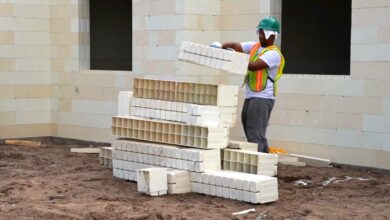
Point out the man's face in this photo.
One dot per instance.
(265, 41)
(262, 38)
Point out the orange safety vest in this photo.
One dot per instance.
(257, 80)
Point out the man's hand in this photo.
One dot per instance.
(216, 44)
(232, 46)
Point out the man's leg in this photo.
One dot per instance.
(258, 114)
(244, 115)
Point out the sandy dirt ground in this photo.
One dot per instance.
(51, 183)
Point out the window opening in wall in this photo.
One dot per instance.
(111, 34)
(316, 36)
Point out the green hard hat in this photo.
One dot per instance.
(269, 23)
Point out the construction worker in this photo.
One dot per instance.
(265, 68)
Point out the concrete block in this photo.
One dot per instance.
(250, 162)
(22, 64)
(152, 180)
(199, 187)
(126, 175)
(352, 139)
(124, 103)
(230, 7)
(316, 86)
(120, 174)
(163, 161)
(164, 22)
(225, 192)
(35, 117)
(7, 37)
(32, 38)
(235, 62)
(191, 166)
(115, 172)
(216, 137)
(233, 194)
(205, 178)
(232, 22)
(212, 190)
(172, 189)
(193, 176)
(247, 196)
(373, 52)
(178, 164)
(31, 11)
(193, 187)
(198, 7)
(199, 177)
(219, 191)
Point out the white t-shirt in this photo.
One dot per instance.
(272, 58)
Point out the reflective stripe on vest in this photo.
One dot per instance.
(257, 80)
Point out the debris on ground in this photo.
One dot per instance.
(244, 212)
(328, 181)
(23, 143)
(264, 215)
(88, 150)
(303, 183)
(347, 178)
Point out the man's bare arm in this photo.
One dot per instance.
(235, 46)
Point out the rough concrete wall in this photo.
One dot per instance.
(88, 97)
(27, 87)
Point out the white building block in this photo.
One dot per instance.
(213, 190)
(219, 191)
(255, 188)
(159, 131)
(152, 181)
(199, 115)
(250, 162)
(204, 94)
(215, 58)
(178, 182)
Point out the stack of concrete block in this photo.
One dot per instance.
(179, 182)
(129, 156)
(182, 115)
(214, 57)
(105, 156)
(195, 93)
(199, 115)
(152, 181)
(237, 186)
(170, 132)
(250, 162)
